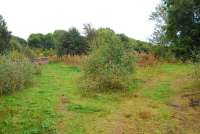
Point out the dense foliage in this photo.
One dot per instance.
(110, 64)
(16, 72)
(58, 35)
(183, 26)
(71, 43)
(41, 41)
(179, 27)
(5, 36)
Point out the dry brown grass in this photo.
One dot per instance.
(69, 59)
(145, 115)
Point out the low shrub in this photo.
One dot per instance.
(16, 72)
(109, 66)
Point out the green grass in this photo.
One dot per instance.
(32, 110)
(160, 91)
(82, 109)
(41, 110)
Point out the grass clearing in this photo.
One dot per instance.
(54, 105)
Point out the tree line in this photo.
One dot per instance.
(176, 35)
(178, 27)
(64, 42)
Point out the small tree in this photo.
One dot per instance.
(110, 65)
(5, 36)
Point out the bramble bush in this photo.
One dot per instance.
(109, 66)
(16, 72)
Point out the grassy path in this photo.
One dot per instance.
(55, 105)
(32, 110)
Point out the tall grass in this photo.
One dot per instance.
(69, 59)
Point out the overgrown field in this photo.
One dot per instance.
(54, 105)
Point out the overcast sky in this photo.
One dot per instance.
(42, 16)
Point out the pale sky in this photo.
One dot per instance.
(24, 17)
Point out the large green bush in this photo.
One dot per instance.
(16, 72)
(110, 64)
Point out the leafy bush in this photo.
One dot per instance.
(109, 65)
(16, 72)
(72, 43)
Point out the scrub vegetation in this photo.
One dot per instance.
(102, 82)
